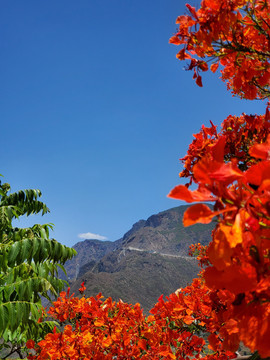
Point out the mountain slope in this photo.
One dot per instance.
(140, 277)
(150, 260)
(164, 232)
(88, 252)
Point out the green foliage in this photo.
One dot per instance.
(29, 263)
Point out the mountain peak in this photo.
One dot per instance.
(150, 259)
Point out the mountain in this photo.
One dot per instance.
(88, 252)
(151, 259)
(165, 233)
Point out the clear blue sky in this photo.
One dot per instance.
(96, 110)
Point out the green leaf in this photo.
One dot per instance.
(29, 262)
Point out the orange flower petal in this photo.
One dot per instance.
(181, 192)
(198, 213)
(235, 278)
(261, 151)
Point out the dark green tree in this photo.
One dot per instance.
(29, 264)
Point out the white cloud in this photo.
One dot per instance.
(90, 236)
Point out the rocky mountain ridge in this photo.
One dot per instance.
(151, 259)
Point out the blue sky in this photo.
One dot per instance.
(96, 110)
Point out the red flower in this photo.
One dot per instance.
(82, 288)
(30, 344)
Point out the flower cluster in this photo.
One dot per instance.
(239, 132)
(229, 302)
(239, 251)
(96, 329)
(234, 34)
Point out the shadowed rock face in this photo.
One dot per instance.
(88, 253)
(151, 259)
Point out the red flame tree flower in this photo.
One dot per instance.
(232, 167)
(232, 34)
(230, 301)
